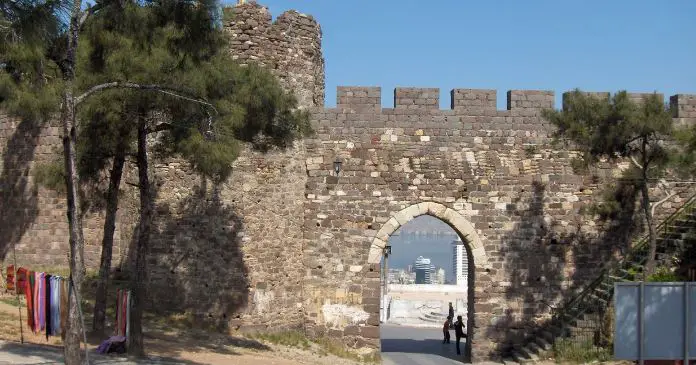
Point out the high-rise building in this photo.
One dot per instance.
(424, 270)
(440, 276)
(460, 262)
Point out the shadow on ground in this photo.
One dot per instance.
(17, 353)
(424, 347)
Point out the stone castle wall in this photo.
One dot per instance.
(284, 243)
(290, 47)
(496, 168)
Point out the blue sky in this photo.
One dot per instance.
(596, 45)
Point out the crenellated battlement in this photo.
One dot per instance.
(480, 101)
(290, 47)
(684, 105)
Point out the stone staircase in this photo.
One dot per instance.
(433, 317)
(583, 313)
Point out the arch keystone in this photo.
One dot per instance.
(450, 216)
(422, 208)
(436, 209)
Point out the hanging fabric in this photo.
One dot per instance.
(47, 304)
(46, 298)
(117, 325)
(128, 309)
(31, 302)
(37, 302)
(63, 306)
(29, 292)
(42, 301)
(22, 276)
(10, 279)
(55, 305)
(122, 312)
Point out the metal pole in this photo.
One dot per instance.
(687, 293)
(641, 324)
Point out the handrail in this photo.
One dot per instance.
(611, 266)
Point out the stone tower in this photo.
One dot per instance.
(290, 47)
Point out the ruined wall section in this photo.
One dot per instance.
(231, 253)
(497, 168)
(290, 47)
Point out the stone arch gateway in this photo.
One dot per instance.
(298, 242)
(455, 220)
(464, 229)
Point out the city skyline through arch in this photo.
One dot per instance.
(426, 241)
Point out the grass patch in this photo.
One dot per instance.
(323, 346)
(566, 350)
(329, 346)
(13, 301)
(290, 338)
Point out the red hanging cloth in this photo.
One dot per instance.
(29, 292)
(10, 278)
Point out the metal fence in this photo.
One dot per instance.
(655, 321)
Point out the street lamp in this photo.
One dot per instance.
(337, 166)
(387, 250)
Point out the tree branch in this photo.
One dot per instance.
(91, 10)
(157, 88)
(652, 211)
(633, 159)
(131, 85)
(160, 127)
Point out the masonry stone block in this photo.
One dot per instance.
(297, 246)
(683, 105)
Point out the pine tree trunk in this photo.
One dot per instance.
(135, 341)
(652, 239)
(71, 349)
(108, 239)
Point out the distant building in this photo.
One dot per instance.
(424, 270)
(401, 276)
(440, 276)
(460, 262)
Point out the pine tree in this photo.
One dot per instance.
(138, 60)
(38, 69)
(173, 78)
(618, 128)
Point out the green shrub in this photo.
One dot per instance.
(663, 274)
(567, 350)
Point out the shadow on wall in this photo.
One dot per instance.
(18, 197)
(546, 260)
(196, 261)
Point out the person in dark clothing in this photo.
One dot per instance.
(451, 314)
(459, 332)
(445, 330)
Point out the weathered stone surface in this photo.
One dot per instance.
(285, 243)
(290, 47)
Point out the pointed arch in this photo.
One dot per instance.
(458, 222)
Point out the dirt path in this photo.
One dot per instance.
(190, 348)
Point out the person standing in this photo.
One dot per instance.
(459, 332)
(445, 330)
(451, 314)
